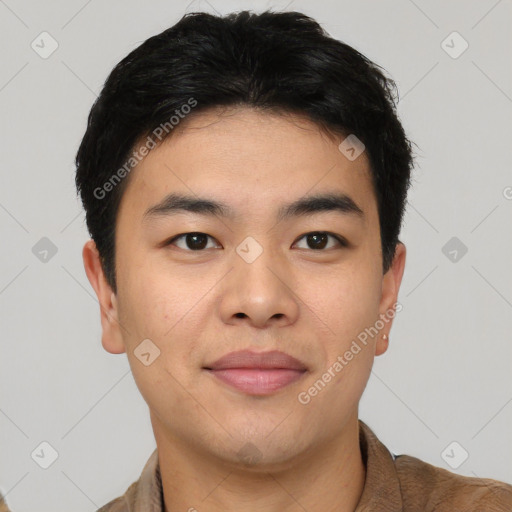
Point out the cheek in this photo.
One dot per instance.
(154, 303)
(347, 301)
(159, 309)
(164, 308)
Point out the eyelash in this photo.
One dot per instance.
(339, 239)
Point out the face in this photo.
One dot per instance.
(254, 275)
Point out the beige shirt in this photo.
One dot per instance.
(394, 483)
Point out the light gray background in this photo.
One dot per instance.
(447, 374)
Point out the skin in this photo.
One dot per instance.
(310, 303)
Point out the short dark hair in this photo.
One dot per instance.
(274, 61)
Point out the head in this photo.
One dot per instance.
(279, 150)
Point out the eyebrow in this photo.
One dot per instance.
(178, 203)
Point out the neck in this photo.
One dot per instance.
(330, 477)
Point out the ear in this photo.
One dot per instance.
(390, 287)
(111, 339)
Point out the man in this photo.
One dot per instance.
(244, 180)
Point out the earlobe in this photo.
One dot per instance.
(382, 345)
(111, 339)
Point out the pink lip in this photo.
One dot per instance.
(271, 360)
(257, 373)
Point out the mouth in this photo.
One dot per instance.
(257, 373)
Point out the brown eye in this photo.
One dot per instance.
(192, 241)
(318, 240)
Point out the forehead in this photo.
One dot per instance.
(249, 159)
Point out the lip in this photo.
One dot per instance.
(271, 360)
(257, 373)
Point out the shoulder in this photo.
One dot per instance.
(121, 504)
(430, 488)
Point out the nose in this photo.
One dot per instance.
(260, 293)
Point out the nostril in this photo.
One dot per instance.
(240, 315)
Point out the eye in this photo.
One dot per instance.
(196, 241)
(192, 241)
(319, 240)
